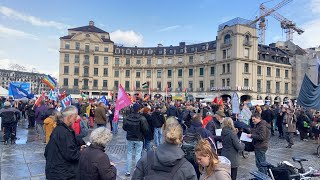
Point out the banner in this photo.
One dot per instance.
(53, 95)
(18, 92)
(23, 85)
(66, 102)
(122, 101)
(104, 100)
(235, 103)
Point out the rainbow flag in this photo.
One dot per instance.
(49, 81)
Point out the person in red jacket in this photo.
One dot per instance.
(76, 126)
(206, 119)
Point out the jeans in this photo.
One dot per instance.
(157, 136)
(40, 131)
(114, 127)
(260, 157)
(289, 137)
(133, 148)
(147, 145)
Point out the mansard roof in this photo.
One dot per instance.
(272, 54)
(89, 28)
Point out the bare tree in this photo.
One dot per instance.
(17, 67)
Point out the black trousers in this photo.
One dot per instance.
(280, 129)
(10, 132)
(234, 172)
(31, 121)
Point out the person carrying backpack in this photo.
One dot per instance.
(167, 161)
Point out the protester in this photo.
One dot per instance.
(100, 117)
(9, 122)
(41, 115)
(94, 163)
(50, 123)
(63, 151)
(31, 113)
(207, 119)
(136, 126)
(149, 136)
(157, 122)
(260, 135)
(231, 145)
(280, 117)
(211, 166)
(167, 161)
(289, 122)
(267, 115)
(172, 110)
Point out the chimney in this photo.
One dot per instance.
(91, 23)
(181, 44)
(160, 45)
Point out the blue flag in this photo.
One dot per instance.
(19, 93)
(104, 100)
(66, 102)
(53, 95)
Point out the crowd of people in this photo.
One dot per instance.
(178, 140)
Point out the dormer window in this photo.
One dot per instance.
(203, 47)
(128, 51)
(139, 51)
(117, 50)
(181, 50)
(160, 51)
(192, 49)
(103, 36)
(247, 38)
(171, 51)
(149, 51)
(227, 39)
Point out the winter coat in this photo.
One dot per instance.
(261, 135)
(157, 119)
(94, 164)
(9, 116)
(231, 146)
(212, 126)
(222, 171)
(39, 110)
(48, 125)
(50, 111)
(100, 116)
(172, 111)
(165, 156)
(83, 110)
(76, 126)
(206, 120)
(62, 153)
(149, 135)
(196, 127)
(289, 122)
(280, 118)
(136, 120)
(267, 115)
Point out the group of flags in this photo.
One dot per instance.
(218, 101)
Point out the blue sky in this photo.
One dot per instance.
(30, 30)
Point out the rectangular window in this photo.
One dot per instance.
(148, 73)
(169, 61)
(226, 54)
(159, 85)
(138, 74)
(137, 84)
(228, 82)
(105, 60)
(169, 73)
(190, 72)
(278, 72)
(127, 61)
(158, 73)
(87, 48)
(246, 82)
(116, 61)
(212, 70)
(116, 84)
(127, 85)
(76, 58)
(159, 61)
(66, 58)
(201, 84)
(127, 73)
(77, 45)
(96, 59)
(67, 46)
(96, 48)
(259, 72)
(65, 81)
(180, 84)
(106, 49)
(259, 85)
(105, 83)
(76, 70)
(116, 73)
(190, 85)
(268, 71)
(105, 72)
(149, 61)
(180, 60)
(190, 59)
(201, 71)
(286, 73)
(75, 82)
(66, 69)
(223, 82)
(95, 71)
(286, 87)
(246, 52)
(246, 67)
(179, 72)
(228, 68)
(268, 86)
(95, 83)
(138, 61)
(223, 68)
(277, 87)
(211, 83)
(86, 83)
(169, 84)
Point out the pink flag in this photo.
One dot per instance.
(122, 101)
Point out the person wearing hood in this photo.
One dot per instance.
(172, 110)
(50, 123)
(211, 166)
(167, 161)
(231, 145)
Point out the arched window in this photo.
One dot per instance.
(247, 38)
(227, 39)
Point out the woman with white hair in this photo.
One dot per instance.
(94, 163)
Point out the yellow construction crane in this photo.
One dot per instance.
(286, 24)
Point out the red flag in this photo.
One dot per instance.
(215, 100)
(220, 103)
(37, 103)
(123, 101)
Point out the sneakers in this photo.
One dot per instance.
(127, 174)
(289, 146)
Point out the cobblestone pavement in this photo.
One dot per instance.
(25, 159)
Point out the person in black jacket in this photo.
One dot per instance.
(62, 152)
(94, 164)
(9, 122)
(267, 115)
(157, 122)
(136, 126)
(149, 136)
(31, 113)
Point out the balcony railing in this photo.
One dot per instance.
(86, 62)
(85, 74)
(259, 89)
(190, 90)
(200, 89)
(226, 44)
(268, 90)
(85, 87)
(247, 43)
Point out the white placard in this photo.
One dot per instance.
(244, 137)
(218, 132)
(235, 103)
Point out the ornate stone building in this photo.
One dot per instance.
(234, 62)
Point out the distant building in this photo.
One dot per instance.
(7, 76)
(234, 62)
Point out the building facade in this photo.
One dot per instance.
(35, 80)
(234, 62)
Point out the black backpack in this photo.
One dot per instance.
(43, 115)
(190, 141)
(283, 171)
(133, 123)
(154, 173)
(187, 119)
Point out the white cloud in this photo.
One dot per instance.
(11, 13)
(5, 32)
(129, 38)
(169, 28)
